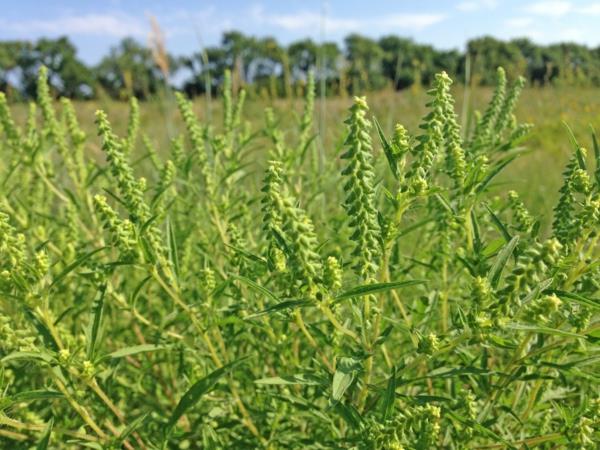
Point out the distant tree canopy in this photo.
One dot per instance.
(267, 68)
(129, 69)
(20, 62)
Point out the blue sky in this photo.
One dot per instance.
(96, 25)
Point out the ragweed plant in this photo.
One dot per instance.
(228, 295)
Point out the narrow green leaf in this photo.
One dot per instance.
(138, 289)
(28, 356)
(307, 146)
(257, 287)
(580, 158)
(502, 342)
(596, 156)
(384, 335)
(467, 265)
(541, 287)
(86, 444)
(492, 173)
(172, 246)
(444, 203)
(42, 328)
(570, 364)
(444, 372)
(134, 350)
(300, 379)
(474, 226)
(387, 149)
(198, 389)
(493, 247)
(498, 223)
(478, 427)
(350, 415)
(45, 439)
(390, 396)
(235, 169)
(422, 399)
(415, 226)
(29, 396)
(595, 143)
(93, 333)
(374, 288)
(572, 297)
(130, 428)
(280, 241)
(501, 260)
(74, 265)
(578, 152)
(249, 256)
(543, 330)
(147, 224)
(286, 304)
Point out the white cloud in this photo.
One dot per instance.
(88, 24)
(592, 9)
(571, 35)
(178, 15)
(310, 21)
(193, 23)
(552, 8)
(519, 22)
(410, 21)
(476, 5)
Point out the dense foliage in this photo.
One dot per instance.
(268, 69)
(202, 297)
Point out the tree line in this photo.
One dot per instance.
(267, 68)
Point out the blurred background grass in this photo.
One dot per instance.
(536, 174)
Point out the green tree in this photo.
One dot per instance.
(129, 70)
(303, 57)
(10, 63)
(205, 69)
(364, 57)
(488, 53)
(239, 52)
(270, 67)
(67, 75)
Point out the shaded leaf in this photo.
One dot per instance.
(286, 304)
(256, 287)
(387, 149)
(501, 260)
(41, 327)
(350, 415)
(95, 322)
(28, 396)
(301, 379)
(134, 350)
(498, 223)
(45, 439)
(374, 288)
(74, 265)
(543, 330)
(577, 298)
(31, 356)
(390, 396)
(131, 427)
(172, 246)
(198, 389)
(493, 172)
